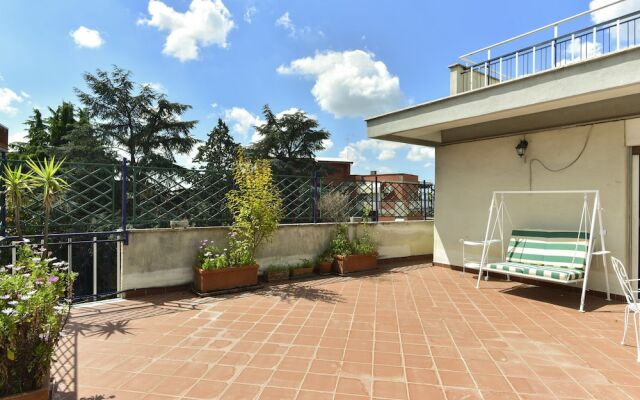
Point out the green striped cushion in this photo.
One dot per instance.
(551, 248)
(562, 275)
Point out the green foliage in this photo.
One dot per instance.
(278, 268)
(326, 256)
(236, 254)
(365, 245)
(218, 152)
(67, 133)
(61, 123)
(35, 298)
(137, 118)
(255, 203)
(45, 176)
(340, 245)
(306, 263)
(290, 141)
(16, 183)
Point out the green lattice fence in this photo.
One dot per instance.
(156, 196)
(90, 204)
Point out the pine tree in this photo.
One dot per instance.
(137, 118)
(290, 141)
(218, 152)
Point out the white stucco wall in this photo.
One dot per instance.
(165, 257)
(468, 173)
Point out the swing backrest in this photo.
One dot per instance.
(562, 249)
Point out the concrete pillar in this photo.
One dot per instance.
(455, 79)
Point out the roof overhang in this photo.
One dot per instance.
(598, 89)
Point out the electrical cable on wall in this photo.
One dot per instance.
(584, 147)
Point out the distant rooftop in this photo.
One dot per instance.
(334, 160)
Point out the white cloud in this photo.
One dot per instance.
(8, 98)
(352, 154)
(612, 12)
(249, 14)
(214, 105)
(207, 22)
(186, 160)
(421, 153)
(327, 144)
(85, 37)
(242, 121)
(157, 86)
(284, 21)
(17, 137)
(381, 150)
(350, 83)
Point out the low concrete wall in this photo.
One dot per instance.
(165, 257)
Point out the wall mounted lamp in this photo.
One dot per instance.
(521, 148)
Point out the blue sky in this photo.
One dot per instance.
(337, 60)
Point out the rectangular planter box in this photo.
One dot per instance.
(300, 272)
(225, 278)
(356, 263)
(324, 268)
(276, 276)
(39, 394)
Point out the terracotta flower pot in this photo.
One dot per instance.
(225, 278)
(300, 272)
(277, 276)
(324, 267)
(38, 394)
(356, 263)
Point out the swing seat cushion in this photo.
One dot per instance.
(559, 249)
(543, 272)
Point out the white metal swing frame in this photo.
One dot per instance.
(588, 221)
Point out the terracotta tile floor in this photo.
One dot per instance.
(407, 332)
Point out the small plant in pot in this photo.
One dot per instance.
(359, 255)
(324, 263)
(276, 273)
(255, 206)
(304, 268)
(35, 299)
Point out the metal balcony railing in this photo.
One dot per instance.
(604, 38)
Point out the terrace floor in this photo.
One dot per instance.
(406, 332)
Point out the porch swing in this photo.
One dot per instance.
(558, 256)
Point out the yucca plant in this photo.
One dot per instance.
(45, 176)
(16, 183)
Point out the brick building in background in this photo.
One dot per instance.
(397, 196)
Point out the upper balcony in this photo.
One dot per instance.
(588, 75)
(556, 52)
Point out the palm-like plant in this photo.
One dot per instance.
(16, 183)
(44, 175)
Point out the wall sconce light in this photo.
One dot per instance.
(521, 148)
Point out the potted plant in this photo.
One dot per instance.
(277, 273)
(302, 269)
(35, 298)
(324, 263)
(222, 269)
(359, 255)
(255, 205)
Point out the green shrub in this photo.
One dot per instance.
(306, 263)
(277, 268)
(236, 254)
(340, 245)
(255, 203)
(35, 298)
